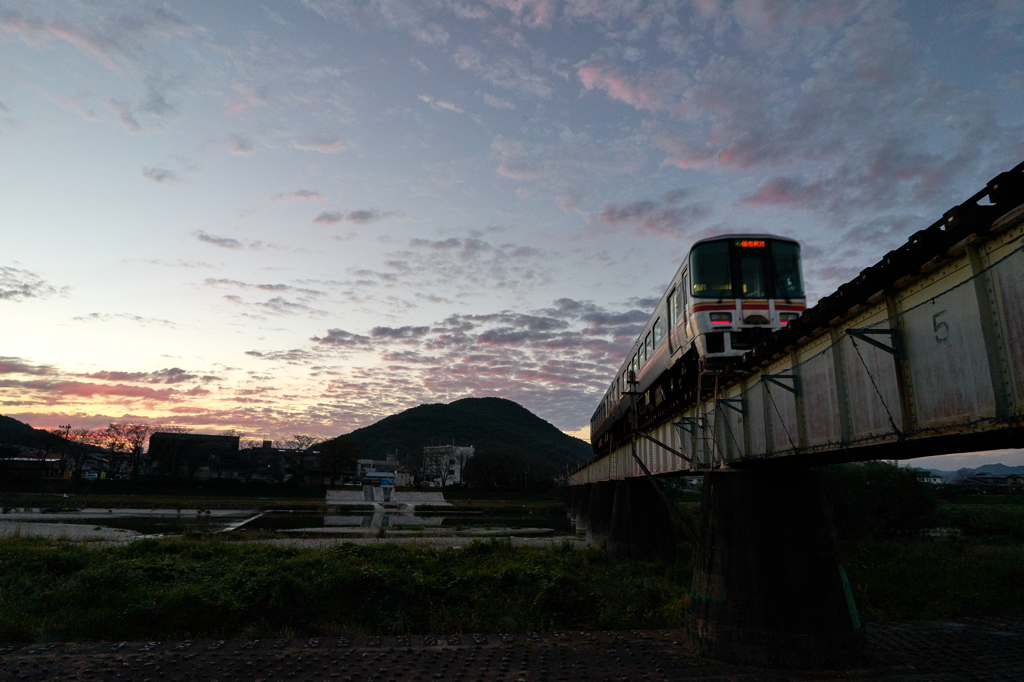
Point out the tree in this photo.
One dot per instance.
(82, 440)
(298, 441)
(249, 457)
(125, 441)
(298, 446)
(507, 467)
(339, 455)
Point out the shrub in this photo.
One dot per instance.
(878, 500)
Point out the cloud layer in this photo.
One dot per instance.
(308, 216)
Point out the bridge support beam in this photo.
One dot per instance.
(640, 523)
(599, 513)
(769, 588)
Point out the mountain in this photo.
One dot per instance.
(489, 424)
(16, 433)
(995, 469)
(998, 469)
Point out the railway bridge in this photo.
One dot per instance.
(921, 354)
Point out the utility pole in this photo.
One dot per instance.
(66, 428)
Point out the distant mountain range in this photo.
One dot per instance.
(489, 424)
(995, 469)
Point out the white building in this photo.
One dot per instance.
(387, 470)
(443, 464)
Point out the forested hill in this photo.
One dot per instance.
(489, 424)
(14, 433)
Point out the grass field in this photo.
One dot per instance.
(966, 560)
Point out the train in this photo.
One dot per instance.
(728, 294)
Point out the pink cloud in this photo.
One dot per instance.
(94, 46)
(783, 191)
(534, 13)
(55, 390)
(618, 87)
(708, 8)
(683, 153)
(319, 143)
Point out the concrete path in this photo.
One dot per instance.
(74, 532)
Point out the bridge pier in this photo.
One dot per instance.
(599, 512)
(768, 586)
(640, 524)
(579, 506)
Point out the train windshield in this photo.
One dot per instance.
(746, 268)
(712, 276)
(788, 282)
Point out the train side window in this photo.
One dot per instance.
(673, 309)
(659, 333)
(648, 347)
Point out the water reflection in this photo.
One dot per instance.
(155, 522)
(384, 519)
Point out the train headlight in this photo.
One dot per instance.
(721, 318)
(786, 318)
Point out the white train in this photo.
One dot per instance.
(730, 292)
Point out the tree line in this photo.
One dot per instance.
(123, 446)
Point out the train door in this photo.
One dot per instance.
(683, 306)
(751, 266)
(673, 320)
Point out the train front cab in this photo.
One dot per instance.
(743, 288)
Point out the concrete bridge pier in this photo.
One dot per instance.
(640, 523)
(599, 512)
(769, 588)
(580, 507)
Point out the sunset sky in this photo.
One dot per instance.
(300, 217)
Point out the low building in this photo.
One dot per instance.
(993, 483)
(390, 469)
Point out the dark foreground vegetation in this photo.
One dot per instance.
(911, 552)
(207, 588)
(915, 552)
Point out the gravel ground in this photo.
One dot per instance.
(987, 649)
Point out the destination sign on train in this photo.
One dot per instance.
(751, 243)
